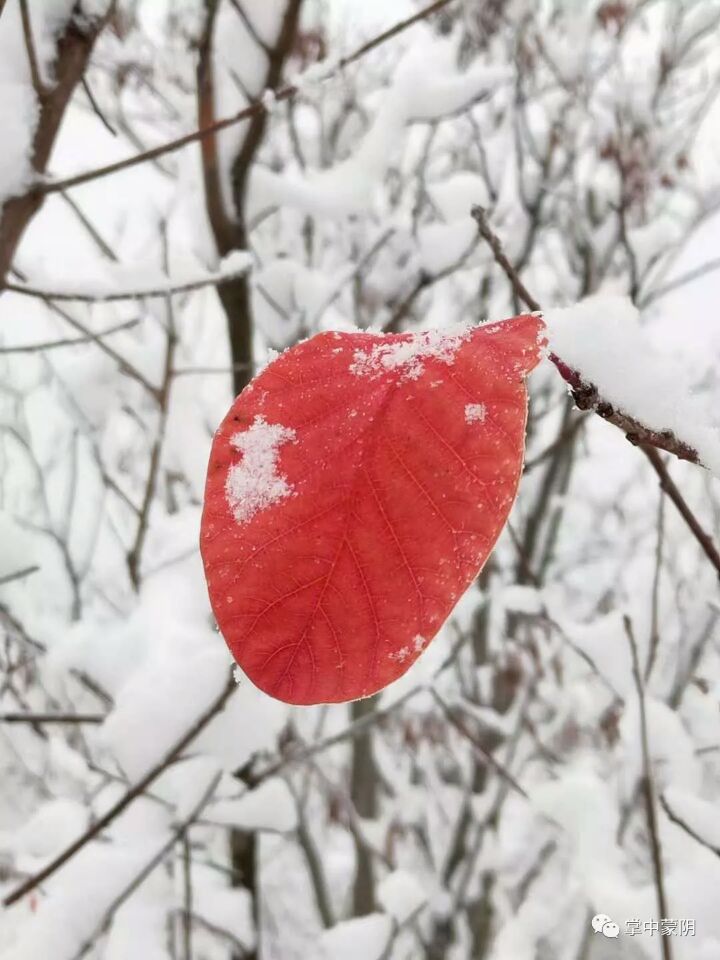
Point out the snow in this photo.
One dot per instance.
(147, 701)
(137, 280)
(521, 598)
(407, 355)
(253, 483)
(475, 412)
(18, 107)
(426, 86)
(269, 807)
(19, 547)
(400, 894)
(392, 154)
(602, 339)
(699, 814)
(51, 828)
(363, 938)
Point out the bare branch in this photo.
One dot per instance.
(149, 292)
(18, 575)
(477, 746)
(176, 835)
(671, 489)
(52, 717)
(249, 25)
(96, 107)
(284, 93)
(684, 825)
(680, 281)
(647, 786)
(37, 83)
(587, 397)
(74, 47)
(69, 341)
(127, 798)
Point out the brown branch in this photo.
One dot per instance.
(284, 93)
(127, 798)
(587, 397)
(493, 241)
(670, 488)
(73, 50)
(647, 787)
(220, 221)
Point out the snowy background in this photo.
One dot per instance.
(503, 792)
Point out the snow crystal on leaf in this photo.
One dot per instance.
(400, 655)
(419, 643)
(475, 412)
(408, 354)
(253, 483)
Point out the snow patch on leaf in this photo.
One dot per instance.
(254, 483)
(408, 355)
(475, 412)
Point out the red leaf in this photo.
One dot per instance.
(354, 491)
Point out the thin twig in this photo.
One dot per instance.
(678, 821)
(493, 241)
(680, 281)
(478, 748)
(68, 341)
(253, 779)
(187, 923)
(37, 83)
(655, 598)
(134, 555)
(671, 489)
(647, 787)
(52, 717)
(177, 834)
(587, 397)
(85, 296)
(249, 25)
(127, 798)
(18, 575)
(96, 107)
(284, 93)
